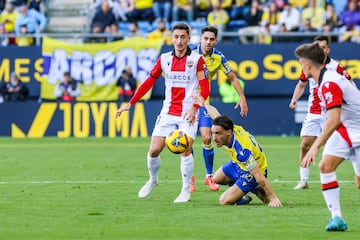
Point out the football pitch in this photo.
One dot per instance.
(54, 188)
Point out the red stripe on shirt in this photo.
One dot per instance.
(342, 130)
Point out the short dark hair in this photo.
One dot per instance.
(210, 29)
(67, 74)
(181, 26)
(224, 121)
(322, 38)
(311, 51)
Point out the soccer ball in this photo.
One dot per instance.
(177, 141)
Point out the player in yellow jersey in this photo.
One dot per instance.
(215, 61)
(247, 169)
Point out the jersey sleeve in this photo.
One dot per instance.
(245, 156)
(303, 78)
(148, 83)
(202, 74)
(332, 94)
(225, 65)
(342, 71)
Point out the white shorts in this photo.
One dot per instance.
(337, 146)
(312, 125)
(166, 123)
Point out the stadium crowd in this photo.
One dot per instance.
(256, 21)
(248, 21)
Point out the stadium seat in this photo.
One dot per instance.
(198, 25)
(235, 25)
(145, 26)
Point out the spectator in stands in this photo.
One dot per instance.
(271, 16)
(2, 5)
(350, 35)
(264, 36)
(228, 92)
(162, 9)
(104, 20)
(161, 33)
(280, 37)
(140, 10)
(37, 5)
(119, 8)
(182, 10)
(134, 30)
(4, 40)
(8, 18)
(224, 4)
(218, 17)
(17, 3)
(68, 89)
(239, 9)
(351, 16)
(314, 13)
(331, 18)
(127, 84)
(253, 19)
(22, 40)
(307, 28)
(202, 9)
(15, 89)
(34, 20)
(299, 4)
(290, 16)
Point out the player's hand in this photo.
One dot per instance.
(292, 104)
(275, 202)
(309, 157)
(243, 106)
(122, 109)
(198, 99)
(190, 116)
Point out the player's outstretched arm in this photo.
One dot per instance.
(265, 184)
(242, 102)
(122, 109)
(298, 92)
(212, 111)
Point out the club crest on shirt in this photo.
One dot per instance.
(189, 64)
(206, 71)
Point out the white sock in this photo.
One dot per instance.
(153, 165)
(304, 174)
(331, 192)
(187, 168)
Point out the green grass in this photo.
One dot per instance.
(54, 188)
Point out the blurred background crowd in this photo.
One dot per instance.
(246, 21)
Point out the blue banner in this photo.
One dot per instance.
(97, 119)
(26, 62)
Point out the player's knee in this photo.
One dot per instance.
(305, 146)
(154, 152)
(325, 168)
(223, 200)
(206, 139)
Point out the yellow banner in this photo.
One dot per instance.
(96, 66)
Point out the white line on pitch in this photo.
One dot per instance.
(122, 182)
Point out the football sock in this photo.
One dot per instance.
(208, 154)
(153, 165)
(187, 168)
(243, 200)
(304, 174)
(331, 192)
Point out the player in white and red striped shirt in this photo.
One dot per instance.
(315, 118)
(185, 73)
(341, 132)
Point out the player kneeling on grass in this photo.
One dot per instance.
(247, 170)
